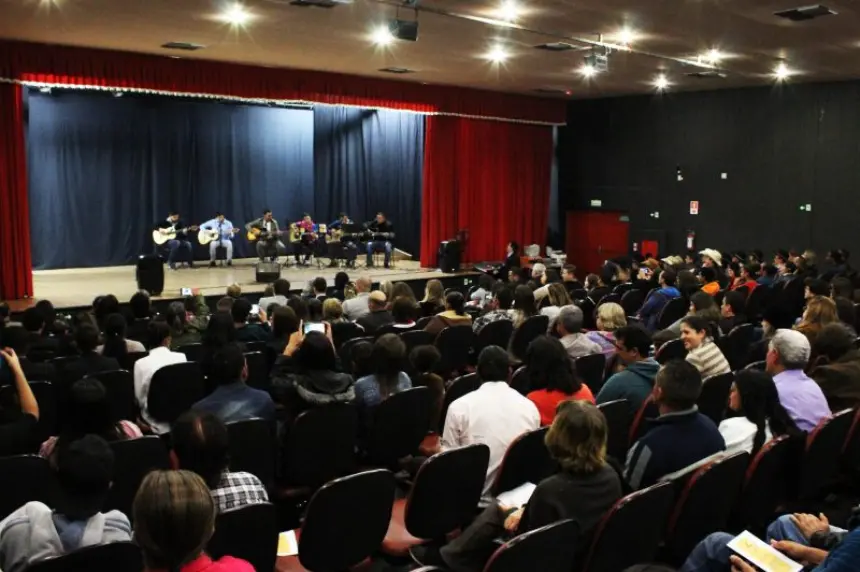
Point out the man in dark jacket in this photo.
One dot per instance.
(835, 366)
(88, 362)
(680, 436)
(17, 338)
(650, 311)
(636, 382)
(378, 317)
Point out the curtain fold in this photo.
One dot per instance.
(366, 161)
(16, 278)
(489, 178)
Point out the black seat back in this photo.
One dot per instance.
(113, 557)
(258, 370)
(25, 478)
(253, 448)
(590, 370)
(321, 445)
(458, 388)
(551, 548)
(673, 349)
(127, 362)
(531, 328)
(119, 385)
(133, 460)
(631, 301)
(622, 527)
(714, 397)
(342, 332)
(258, 346)
(399, 425)
(764, 487)
(248, 532)
(454, 344)
(193, 352)
(757, 301)
(439, 504)
(496, 333)
(173, 390)
(618, 419)
(822, 454)
(674, 310)
(527, 460)
(415, 338)
(737, 344)
(520, 380)
(345, 351)
(336, 539)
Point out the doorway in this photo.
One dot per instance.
(596, 236)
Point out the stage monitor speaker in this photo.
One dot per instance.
(449, 256)
(150, 274)
(267, 272)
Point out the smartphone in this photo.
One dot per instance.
(314, 327)
(255, 309)
(186, 291)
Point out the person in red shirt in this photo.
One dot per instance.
(551, 377)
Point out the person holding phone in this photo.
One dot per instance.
(247, 331)
(19, 433)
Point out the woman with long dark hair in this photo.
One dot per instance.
(220, 332)
(388, 358)
(454, 315)
(760, 414)
(551, 377)
(524, 305)
(116, 345)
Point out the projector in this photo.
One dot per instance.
(404, 29)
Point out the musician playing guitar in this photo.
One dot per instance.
(381, 234)
(308, 242)
(219, 232)
(175, 230)
(267, 235)
(350, 250)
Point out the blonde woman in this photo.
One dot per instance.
(820, 311)
(557, 297)
(610, 317)
(434, 298)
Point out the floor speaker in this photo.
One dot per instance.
(267, 272)
(150, 274)
(449, 256)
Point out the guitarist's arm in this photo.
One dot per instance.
(253, 224)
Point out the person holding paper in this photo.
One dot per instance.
(583, 489)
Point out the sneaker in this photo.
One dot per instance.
(211, 264)
(427, 555)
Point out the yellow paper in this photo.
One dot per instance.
(287, 543)
(763, 555)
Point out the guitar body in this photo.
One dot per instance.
(254, 234)
(159, 238)
(296, 233)
(205, 236)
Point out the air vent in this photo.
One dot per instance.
(186, 46)
(397, 70)
(805, 13)
(706, 75)
(559, 47)
(552, 91)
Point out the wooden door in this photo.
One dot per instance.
(596, 236)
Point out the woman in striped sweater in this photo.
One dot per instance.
(702, 352)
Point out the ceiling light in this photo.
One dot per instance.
(661, 82)
(497, 54)
(508, 10)
(235, 15)
(382, 36)
(587, 70)
(781, 72)
(713, 56)
(625, 36)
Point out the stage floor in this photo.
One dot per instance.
(74, 287)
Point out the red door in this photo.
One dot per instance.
(650, 247)
(594, 237)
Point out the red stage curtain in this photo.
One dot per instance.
(490, 177)
(84, 66)
(16, 272)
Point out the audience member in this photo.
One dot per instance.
(200, 443)
(359, 306)
(484, 290)
(517, 276)
(88, 362)
(403, 290)
(19, 432)
(174, 518)
(702, 352)
(495, 414)
(815, 287)
(299, 306)
(710, 285)
(551, 377)
(748, 277)
(424, 360)
(284, 324)
(759, 416)
(802, 398)
(680, 436)
(388, 359)
(835, 366)
(404, 311)
(386, 287)
(220, 332)
(104, 307)
(524, 305)
(842, 287)
(704, 306)
(319, 288)
(649, 313)
(497, 309)
(234, 291)
(333, 311)
(557, 298)
(116, 345)
(232, 399)
(767, 275)
(636, 382)
(362, 360)
(182, 331)
(225, 305)
(687, 283)
(33, 322)
(733, 311)
(89, 412)
(610, 317)
(600, 285)
(846, 312)
(141, 313)
(315, 311)
(454, 315)
(434, 298)
(36, 532)
(568, 326)
(378, 316)
(820, 311)
(341, 280)
(17, 338)
(247, 331)
(144, 368)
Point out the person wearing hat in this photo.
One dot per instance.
(36, 532)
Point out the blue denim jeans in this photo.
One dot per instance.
(378, 245)
(710, 555)
(175, 246)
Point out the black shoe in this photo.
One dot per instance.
(387, 265)
(190, 265)
(229, 263)
(211, 264)
(427, 555)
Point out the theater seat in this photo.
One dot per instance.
(590, 370)
(399, 425)
(551, 548)
(714, 397)
(764, 487)
(25, 478)
(459, 387)
(673, 349)
(639, 425)
(249, 532)
(114, 557)
(822, 455)
(527, 460)
(530, 329)
(454, 344)
(618, 420)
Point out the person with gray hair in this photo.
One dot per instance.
(801, 397)
(356, 307)
(568, 326)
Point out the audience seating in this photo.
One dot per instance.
(119, 385)
(736, 345)
(590, 370)
(715, 396)
(113, 557)
(398, 427)
(458, 388)
(639, 424)
(704, 504)
(674, 310)
(415, 338)
(757, 365)
(193, 352)
(40, 355)
(631, 531)
(527, 460)
(764, 486)
(174, 389)
(454, 344)
(530, 329)
(249, 532)
(255, 346)
(520, 380)
(127, 363)
(320, 446)
(673, 349)
(612, 297)
(618, 422)
(496, 333)
(822, 455)
(345, 523)
(258, 370)
(757, 302)
(25, 478)
(133, 460)
(342, 332)
(631, 301)
(551, 548)
(345, 351)
(851, 448)
(422, 322)
(253, 448)
(45, 395)
(438, 504)
(587, 305)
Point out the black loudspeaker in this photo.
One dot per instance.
(267, 272)
(449, 256)
(150, 274)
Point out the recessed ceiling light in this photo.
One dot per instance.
(235, 15)
(782, 72)
(508, 10)
(712, 56)
(587, 70)
(625, 36)
(382, 36)
(661, 82)
(497, 54)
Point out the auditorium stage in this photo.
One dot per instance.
(75, 287)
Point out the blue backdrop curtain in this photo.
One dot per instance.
(102, 170)
(368, 161)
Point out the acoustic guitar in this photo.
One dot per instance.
(256, 234)
(163, 235)
(205, 236)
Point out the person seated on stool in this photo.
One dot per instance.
(378, 226)
(269, 244)
(225, 237)
(350, 250)
(173, 222)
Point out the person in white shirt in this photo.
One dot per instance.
(494, 415)
(760, 415)
(355, 308)
(159, 356)
(225, 230)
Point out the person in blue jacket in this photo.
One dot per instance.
(650, 311)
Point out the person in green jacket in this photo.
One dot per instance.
(636, 381)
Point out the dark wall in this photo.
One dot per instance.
(781, 147)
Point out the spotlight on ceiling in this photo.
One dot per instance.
(497, 54)
(587, 70)
(661, 82)
(712, 56)
(625, 36)
(782, 72)
(382, 36)
(508, 11)
(235, 15)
